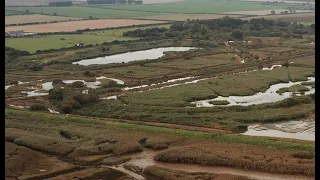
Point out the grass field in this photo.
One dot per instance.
(9, 12)
(290, 17)
(211, 6)
(183, 17)
(83, 12)
(307, 23)
(19, 19)
(56, 42)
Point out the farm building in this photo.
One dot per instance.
(16, 33)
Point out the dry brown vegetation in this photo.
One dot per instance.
(23, 162)
(80, 25)
(94, 173)
(77, 139)
(159, 173)
(19, 19)
(240, 156)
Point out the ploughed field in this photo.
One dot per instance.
(80, 25)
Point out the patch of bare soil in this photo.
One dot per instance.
(80, 25)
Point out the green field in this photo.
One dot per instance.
(307, 23)
(213, 6)
(9, 12)
(83, 12)
(57, 42)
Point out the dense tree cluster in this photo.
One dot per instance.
(226, 27)
(145, 32)
(11, 53)
(60, 3)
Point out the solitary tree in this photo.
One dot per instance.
(54, 13)
(273, 12)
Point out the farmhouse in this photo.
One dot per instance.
(16, 33)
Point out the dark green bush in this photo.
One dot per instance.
(66, 108)
(38, 107)
(86, 98)
(13, 83)
(57, 81)
(77, 84)
(89, 74)
(56, 94)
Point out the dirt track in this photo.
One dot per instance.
(80, 25)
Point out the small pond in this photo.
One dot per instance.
(131, 56)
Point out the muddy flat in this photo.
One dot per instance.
(80, 25)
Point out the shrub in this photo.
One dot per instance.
(57, 81)
(303, 155)
(36, 68)
(74, 104)
(77, 84)
(66, 108)
(86, 98)
(89, 74)
(112, 83)
(56, 94)
(13, 83)
(38, 107)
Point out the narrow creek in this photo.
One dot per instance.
(269, 96)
